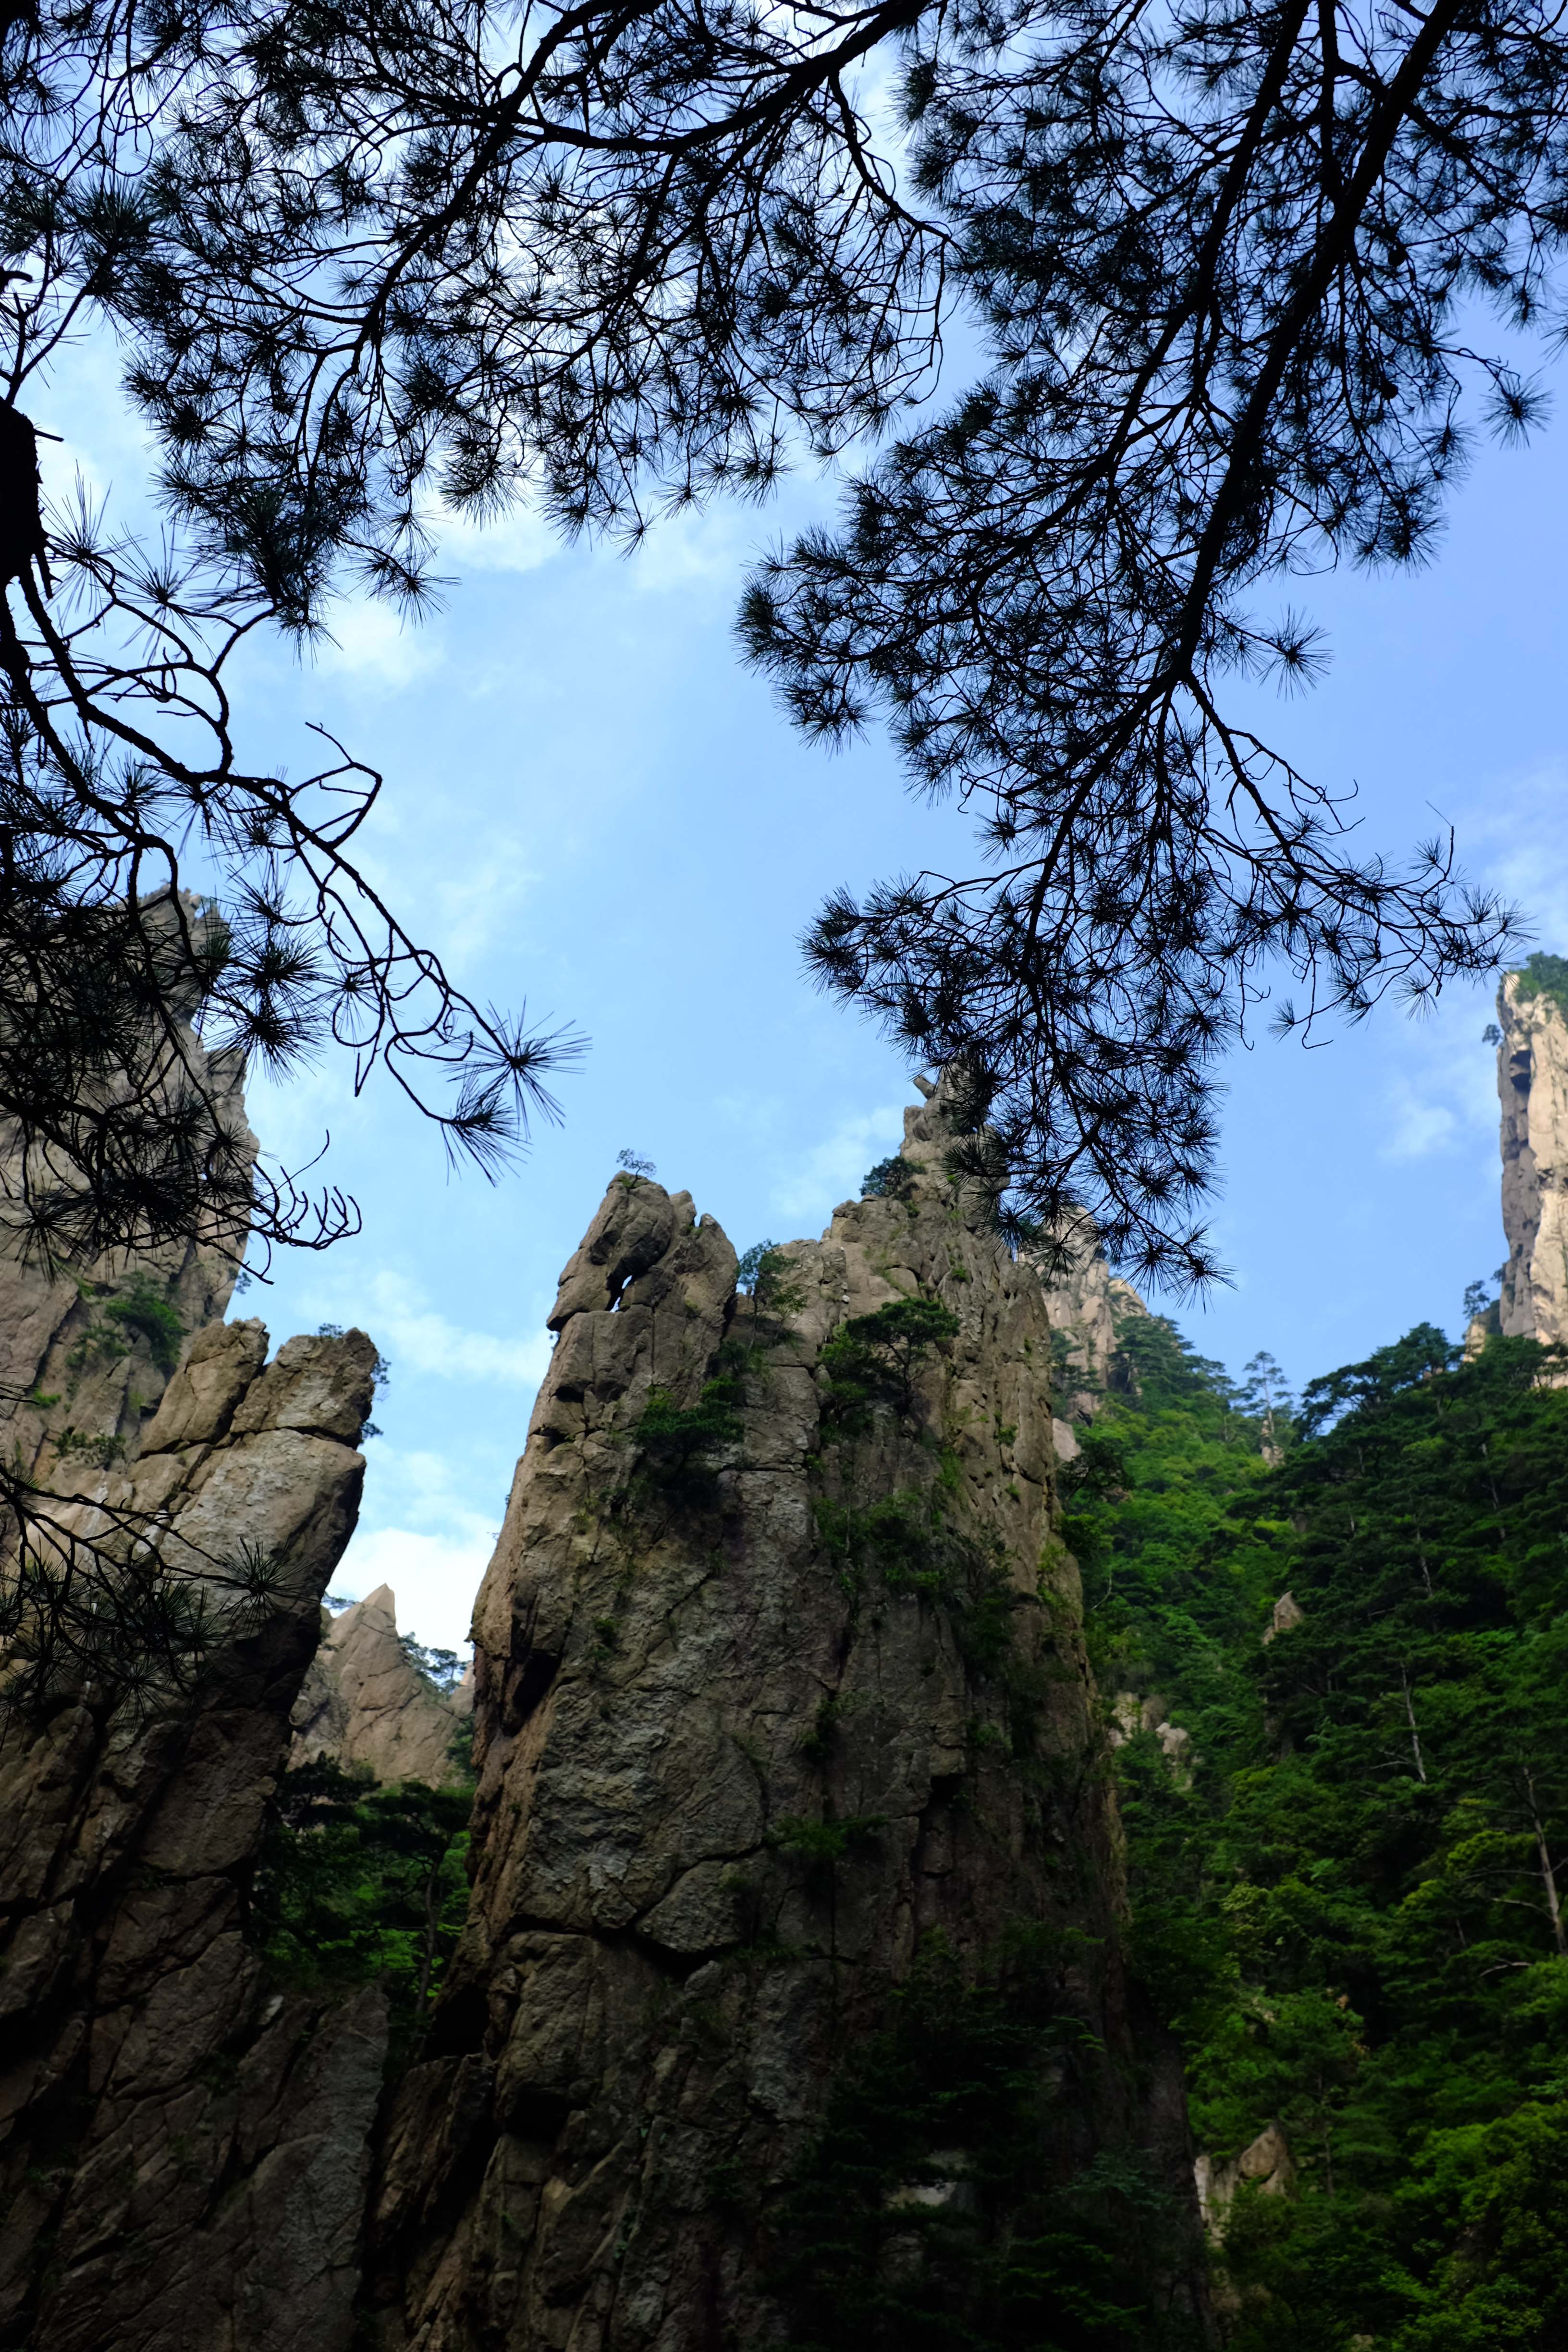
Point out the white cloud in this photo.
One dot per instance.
(1419, 1128)
(519, 540)
(1515, 825)
(811, 1188)
(423, 1536)
(1442, 1088)
(419, 1341)
(693, 544)
(373, 641)
(433, 1577)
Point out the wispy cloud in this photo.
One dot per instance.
(1513, 829)
(372, 641)
(423, 1536)
(1418, 1128)
(1441, 1084)
(420, 1341)
(434, 1578)
(811, 1187)
(519, 540)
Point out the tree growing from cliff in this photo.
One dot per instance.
(1225, 264)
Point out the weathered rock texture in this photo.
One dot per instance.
(1084, 1301)
(182, 2153)
(1533, 1085)
(85, 1357)
(735, 1770)
(365, 1707)
(1266, 2164)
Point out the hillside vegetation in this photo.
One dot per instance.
(1345, 1881)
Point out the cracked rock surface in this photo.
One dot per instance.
(1532, 1088)
(364, 1707)
(734, 1775)
(183, 2151)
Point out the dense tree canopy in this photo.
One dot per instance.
(1348, 1891)
(1227, 264)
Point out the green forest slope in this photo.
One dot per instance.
(1345, 1884)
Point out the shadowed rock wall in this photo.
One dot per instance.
(184, 2152)
(753, 1726)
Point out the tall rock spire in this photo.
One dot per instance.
(791, 1769)
(1532, 1086)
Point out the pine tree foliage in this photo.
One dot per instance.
(1228, 265)
(1349, 1901)
(360, 1882)
(1228, 260)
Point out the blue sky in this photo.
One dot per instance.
(590, 806)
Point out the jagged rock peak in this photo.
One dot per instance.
(1532, 1088)
(1084, 1303)
(183, 2149)
(780, 1689)
(366, 1707)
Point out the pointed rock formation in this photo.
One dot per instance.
(183, 2150)
(781, 1706)
(1532, 1086)
(182, 2147)
(86, 1354)
(1084, 1302)
(364, 1707)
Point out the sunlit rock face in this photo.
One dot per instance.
(780, 1688)
(1533, 1085)
(365, 1707)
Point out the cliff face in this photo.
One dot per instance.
(1083, 1302)
(1533, 1085)
(364, 1707)
(182, 2151)
(781, 1706)
(85, 1357)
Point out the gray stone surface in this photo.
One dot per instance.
(183, 2151)
(653, 1987)
(365, 1707)
(1533, 1089)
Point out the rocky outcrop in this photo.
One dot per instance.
(781, 1700)
(1283, 1618)
(182, 2147)
(365, 1707)
(1532, 1086)
(1084, 1302)
(86, 1353)
(1130, 1714)
(184, 2150)
(1266, 2164)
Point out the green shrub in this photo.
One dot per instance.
(891, 1180)
(139, 1311)
(441, 1670)
(1346, 1908)
(1034, 2254)
(764, 1272)
(360, 1884)
(1545, 975)
(143, 1308)
(675, 1441)
(872, 1358)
